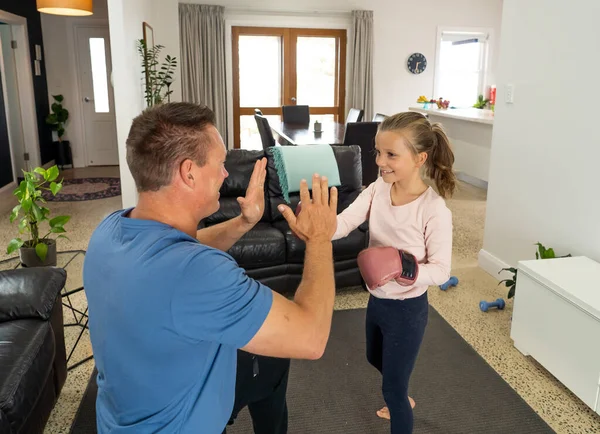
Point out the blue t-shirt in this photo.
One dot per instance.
(166, 315)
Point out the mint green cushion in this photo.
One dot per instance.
(294, 163)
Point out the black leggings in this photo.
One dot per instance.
(395, 331)
(261, 384)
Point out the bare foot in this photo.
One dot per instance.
(384, 413)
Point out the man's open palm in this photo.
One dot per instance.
(253, 204)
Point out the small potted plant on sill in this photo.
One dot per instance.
(38, 250)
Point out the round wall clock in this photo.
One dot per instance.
(416, 63)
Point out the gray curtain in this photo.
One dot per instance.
(203, 79)
(361, 70)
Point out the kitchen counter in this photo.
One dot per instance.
(468, 114)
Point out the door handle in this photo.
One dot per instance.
(87, 99)
(294, 98)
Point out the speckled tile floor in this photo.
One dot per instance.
(488, 333)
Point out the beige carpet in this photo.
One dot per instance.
(488, 333)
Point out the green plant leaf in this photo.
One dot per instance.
(15, 244)
(511, 292)
(41, 250)
(63, 236)
(37, 212)
(41, 171)
(58, 98)
(26, 204)
(55, 188)
(59, 221)
(23, 224)
(58, 230)
(52, 173)
(15, 213)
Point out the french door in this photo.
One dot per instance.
(273, 67)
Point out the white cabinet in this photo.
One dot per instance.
(556, 320)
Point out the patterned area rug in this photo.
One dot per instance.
(86, 189)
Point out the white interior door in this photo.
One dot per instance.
(95, 68)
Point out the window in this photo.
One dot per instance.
(99, 75)
(461, 66)
(275, 66)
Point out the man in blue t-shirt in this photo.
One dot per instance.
(168, 308)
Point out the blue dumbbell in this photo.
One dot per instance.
(453, 281)
(485, 305)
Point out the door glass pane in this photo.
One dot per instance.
(316, 61)
(99, 75)
(260, 71)
(250, 137)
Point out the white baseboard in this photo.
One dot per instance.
(7, 200)
(472, 180)
(492, 264)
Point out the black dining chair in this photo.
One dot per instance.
(296, 114)
(264, 129)
(258, 112)
(363, 134)
(354, 115)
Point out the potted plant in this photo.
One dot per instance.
(481, 102)
(542, 253)
(158, 76)
(57, 120)
(37, 250)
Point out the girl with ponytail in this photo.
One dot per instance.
(410, 249)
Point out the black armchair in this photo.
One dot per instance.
(33, 366)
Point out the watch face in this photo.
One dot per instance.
(416, 63)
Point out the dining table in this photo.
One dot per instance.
(332, 133)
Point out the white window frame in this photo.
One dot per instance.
(486, 54)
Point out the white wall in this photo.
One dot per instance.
(545, 149)
(126, 18)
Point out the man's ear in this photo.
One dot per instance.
(185, 172)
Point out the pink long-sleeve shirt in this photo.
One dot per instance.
(422, 227)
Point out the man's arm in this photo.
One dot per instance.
(300, 328)
(224, 235)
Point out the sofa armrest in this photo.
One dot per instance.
(30, 292)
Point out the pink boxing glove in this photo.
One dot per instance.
(379, 265)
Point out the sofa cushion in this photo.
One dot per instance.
(240, 164)
(344, 248)
(26, 357)
(262, 246)
(29, 292)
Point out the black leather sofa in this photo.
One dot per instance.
(270, 252)
(33, 366)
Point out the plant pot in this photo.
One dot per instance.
(62, 154)
(29, 257)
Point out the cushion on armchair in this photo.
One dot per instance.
(29, 292)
